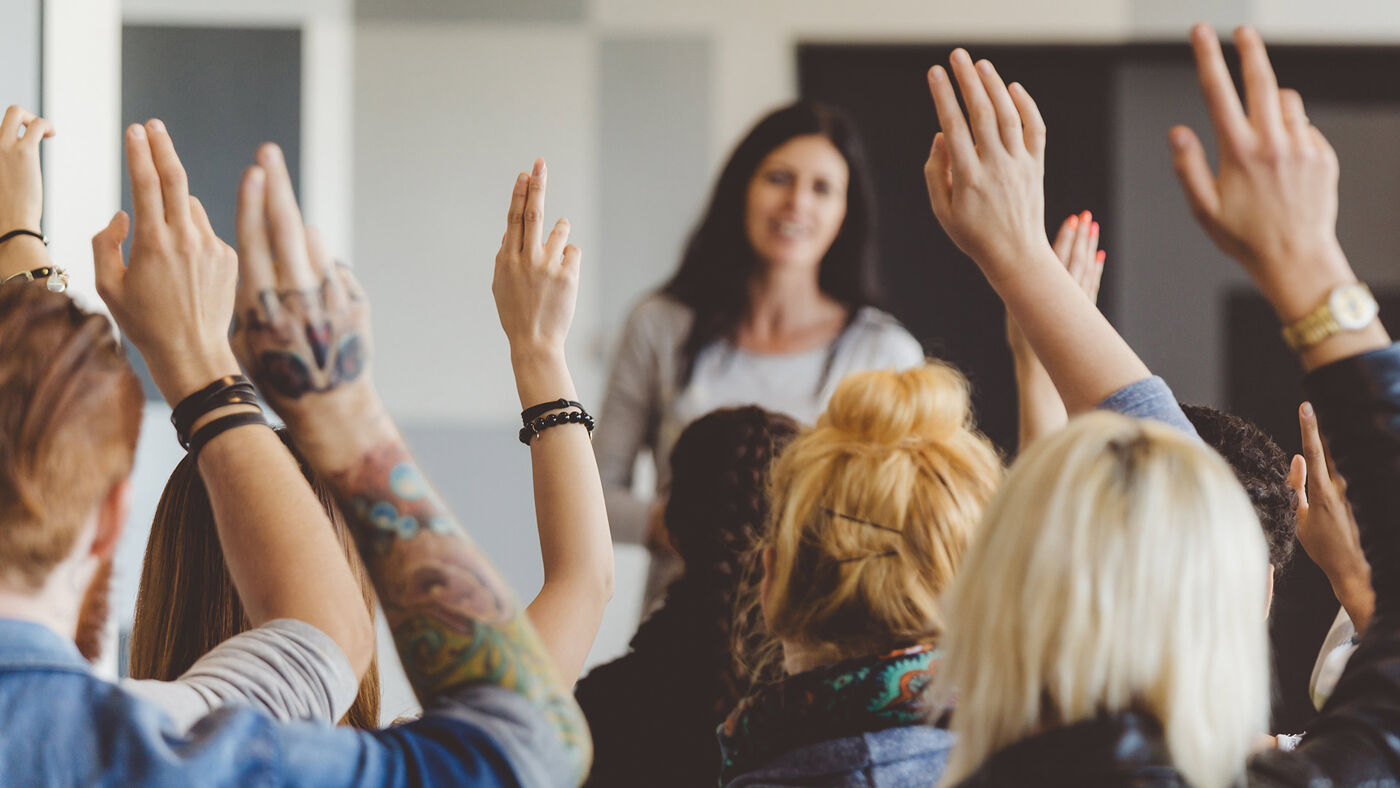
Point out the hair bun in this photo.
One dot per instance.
(883, 406)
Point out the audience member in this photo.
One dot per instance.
(773, 303)
(1152, 664)
(187, 606)
(654, 711)
(872, 512)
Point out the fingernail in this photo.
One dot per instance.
(1086, 216)
(1179, 139)
(1308, 409)
(937, 74)
(522, 178)
(157, 126)
(255, 178)
(1094, 229)
(539, 167)
(961, 54)
(1101, 256)
(138, 131)
(985, 66)
(1074, 221)
(1014, 87)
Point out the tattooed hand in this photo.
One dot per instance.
(175, 298)
(301, 325)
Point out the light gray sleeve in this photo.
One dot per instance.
(628, 420)
(1149, 398)
(285, 668)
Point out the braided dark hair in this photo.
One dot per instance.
(716, 513)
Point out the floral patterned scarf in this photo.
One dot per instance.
(848, 698)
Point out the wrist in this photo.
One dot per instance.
(179, 378)
(1305, 280)
(342, 428)
(541, 375)
(21, 253)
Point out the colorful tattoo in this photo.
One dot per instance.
(305, 341)
(455, 621)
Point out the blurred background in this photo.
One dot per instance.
(405, 122)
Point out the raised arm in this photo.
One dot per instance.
(21, 192)
(303, 333)
(985, 177)
(569, 508)
(174, 302)
(1040, 409)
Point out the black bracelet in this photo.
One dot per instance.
(535, 411)
(228, 390)
(542, 423)
(17, 233)
(221, 425)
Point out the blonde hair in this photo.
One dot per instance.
(1119, 568)
(872, 512)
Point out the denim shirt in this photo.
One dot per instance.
(65, 726)
(910, 756)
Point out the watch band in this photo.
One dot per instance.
(1321, 323)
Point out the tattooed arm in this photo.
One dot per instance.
(303, 333)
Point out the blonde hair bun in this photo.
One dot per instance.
(930, 402)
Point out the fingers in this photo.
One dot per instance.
(147, 201)
(515, 217)
(1008, 117)
(1318, 476)
(107, 255)
(200, 217)
(254, 248)
(573, 258)
(174, 184)
(290, 261)
(1064, 239)
(1192, 169)
(35, 130)
(1298, 480)
(534, 206)
(558, 237)
(938, 177)
(957, 140)
(1260, 85)
(15, 116)
(1222, 101)
(979, 105)
(1081, 257)
(1096, 279)
(1032, 124)
(1295, 117)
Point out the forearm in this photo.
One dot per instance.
(278, 542)
(455, 621)
(575, 543)
(1040, 409)
(1357, 597)
(1080, 350)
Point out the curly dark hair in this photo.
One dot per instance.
(1262, 469)
(653, 712)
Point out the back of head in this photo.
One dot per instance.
(1261, 467)
(70, 414)
(873, 510)
(186, 602)
(1119, 568)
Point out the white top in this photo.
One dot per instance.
(1332, 658)
(285, 668)
(646, 409)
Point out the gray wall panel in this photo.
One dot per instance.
(20, 54)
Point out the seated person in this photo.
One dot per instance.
(496, 710)
(649, 727)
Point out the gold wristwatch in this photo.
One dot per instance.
(1349, 307)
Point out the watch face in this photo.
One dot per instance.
(1352, 306)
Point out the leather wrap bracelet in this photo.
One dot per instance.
(227, 390)
(221, 425)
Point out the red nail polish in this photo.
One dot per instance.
(1094, 229)
(1101, 256)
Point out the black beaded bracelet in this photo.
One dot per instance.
(221, 425)
(228, 390)
(535, 411)
(542, 423)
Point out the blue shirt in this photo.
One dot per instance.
(65, 726)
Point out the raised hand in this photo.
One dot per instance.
(1326, 526)
(174, 299)
(986, 179)
(1273, 204)
(536, 287)
(302, 328)
(21, 185)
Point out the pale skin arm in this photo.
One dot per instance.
(985, 177)
(1040, 409)
(21, 190)
(1272, 205)
(575, 542)
(1326, 527)
(303, 333)
(278, 543)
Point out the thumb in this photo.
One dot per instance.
(108, 265)
(1192, 169)
(939, 177)
(1298, 480)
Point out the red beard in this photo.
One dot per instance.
(92, 617)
